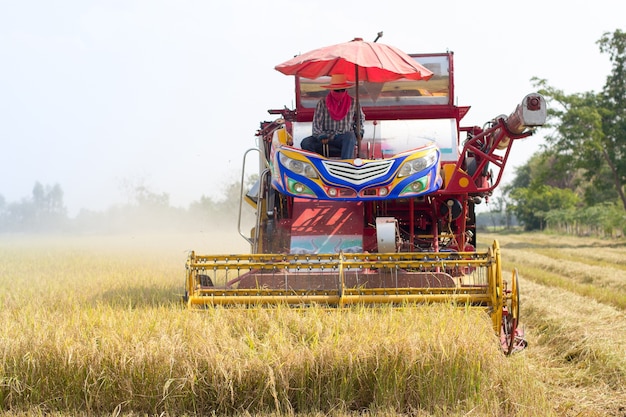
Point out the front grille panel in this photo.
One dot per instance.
(358, 174)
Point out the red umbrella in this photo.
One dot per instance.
(359, 61)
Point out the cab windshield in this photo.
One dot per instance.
(403, 92)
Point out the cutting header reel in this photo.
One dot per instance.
(471, 279)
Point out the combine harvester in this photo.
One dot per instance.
(394, 225)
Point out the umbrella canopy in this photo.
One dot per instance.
(358, 60)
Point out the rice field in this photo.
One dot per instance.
(93, 325)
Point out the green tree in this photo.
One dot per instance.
(146, 198)
(43, 211)
(3, 214)
(545, 168)
(590, 129)
(532, 205)
(614, 100)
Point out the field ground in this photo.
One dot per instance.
(573, 302)
(92, 325)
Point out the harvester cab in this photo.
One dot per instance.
(396, 224)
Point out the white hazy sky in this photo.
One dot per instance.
(96, 94)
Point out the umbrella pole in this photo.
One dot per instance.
(358, 113)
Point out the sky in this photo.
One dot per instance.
(101, 96)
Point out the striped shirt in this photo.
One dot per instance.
(323, 123)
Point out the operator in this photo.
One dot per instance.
(334, 121)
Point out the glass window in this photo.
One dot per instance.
(403, 92)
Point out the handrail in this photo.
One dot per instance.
(254, 241)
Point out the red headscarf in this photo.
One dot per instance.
(338, 104)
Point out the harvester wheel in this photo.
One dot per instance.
(510, 336)
(515, 298)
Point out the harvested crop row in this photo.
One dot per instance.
(603, 282)
(580, 345)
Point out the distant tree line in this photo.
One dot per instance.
(575, 184)
(44, 211)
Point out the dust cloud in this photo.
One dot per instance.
(141, 229)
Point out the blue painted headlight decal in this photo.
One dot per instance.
(286, 180)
